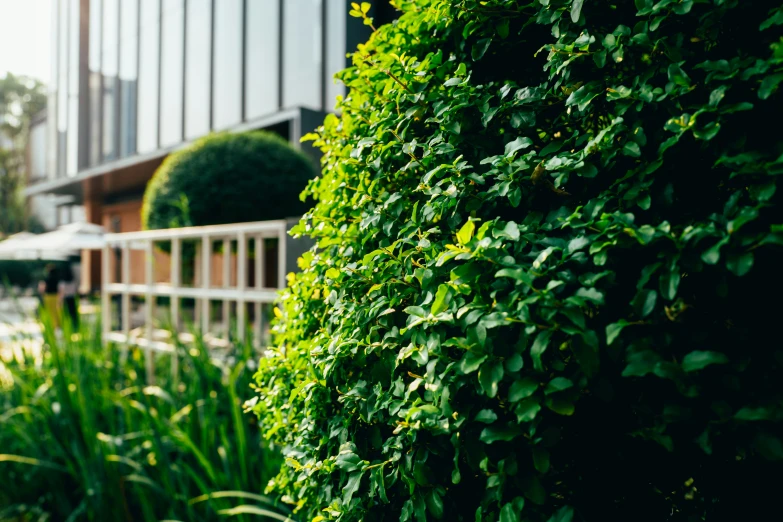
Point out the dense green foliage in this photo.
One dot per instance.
(21, 273)
(547, 271)
(83, 436)
(227, 178)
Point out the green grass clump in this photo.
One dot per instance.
(84, 436)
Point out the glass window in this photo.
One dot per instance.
(110, 69)
(62, 88)
(171, 79)
(262, 86)
(73, 89)
(227, 78)
(37, 143)
(95, 35)
(197, 67)
(148, 76)
(129, 41)
(51, 118)
(73, 135)
(335, 49)
(302, 53)
(73, 47)
(95, 82)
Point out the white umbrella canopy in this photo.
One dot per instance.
(9, 248)
(62, 242)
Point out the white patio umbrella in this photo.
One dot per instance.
(62, 242)
(9, 248)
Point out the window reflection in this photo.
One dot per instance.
(51, 119)
(171, 102)
(109, 69)
(147, 136)
(73, 89)
(129, 24)
(262, 86)
(336, 61)
(62, 87)
(227, 99)
(197, 67)
(94, 80)
(302, 53)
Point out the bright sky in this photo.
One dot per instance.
(24, 37)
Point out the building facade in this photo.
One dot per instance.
(133, 80)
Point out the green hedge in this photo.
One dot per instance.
(547, 276)
(24, 274)
(227, 178)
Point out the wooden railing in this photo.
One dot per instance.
(203, 293)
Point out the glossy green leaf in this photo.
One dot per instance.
(669, 283)
(698, 359)
(678, 76)
(521, 389)
(539, 347)
(508, 513)
(352, 486)
(564, 514)
(486, 416)
(518, 144)
(769, 85)
(644, 303)
(712, 255)
(527, 409)
(541, 459)
(558, 384)
(740, 264)
(489, 376)
(613, 330)
(434, 504)
(502, 432)
(466, 233)
(442, 299)
(576, 9)
(480, 48)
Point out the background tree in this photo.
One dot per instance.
(21, 97)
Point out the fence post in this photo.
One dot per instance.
(105, 295)
(124, 303)
(149, 310)
(257, 307)
(227, 284)
(206, 279)
(241, 284)
(176, 281)
(281, 244)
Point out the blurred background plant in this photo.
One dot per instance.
(84, 435)
(20, 98)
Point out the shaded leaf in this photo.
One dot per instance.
(696, 360)
(521, 389)
(501, 432)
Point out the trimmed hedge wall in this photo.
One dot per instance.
(548, 269)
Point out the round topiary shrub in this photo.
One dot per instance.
(548, 265)
(227, 178)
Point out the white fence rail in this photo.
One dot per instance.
(204, 294)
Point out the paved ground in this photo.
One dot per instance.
(19, 333)
(16, 319)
